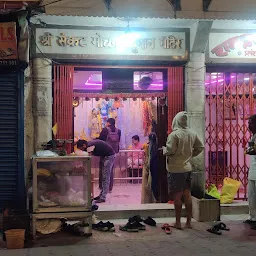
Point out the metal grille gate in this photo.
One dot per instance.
(230, 100)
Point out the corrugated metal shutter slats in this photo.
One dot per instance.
(10, 146)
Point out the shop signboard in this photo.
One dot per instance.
(226, 47)
(8, 44)
(103, 44)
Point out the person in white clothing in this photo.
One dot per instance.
(252, 174)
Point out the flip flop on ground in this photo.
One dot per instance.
(221, 226)
(214, 230)
(167, 228)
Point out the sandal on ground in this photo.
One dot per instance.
(214, 230)
(221, 226)
(251, 222)
(167, 230)
(165, 226)
(150, 221)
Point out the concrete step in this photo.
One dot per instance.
(106, 212)
(236, 208)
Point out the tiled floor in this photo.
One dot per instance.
(122, 194)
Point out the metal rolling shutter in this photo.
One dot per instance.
(11, 139)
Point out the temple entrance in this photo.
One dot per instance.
(141, 99)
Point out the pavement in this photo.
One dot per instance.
(240, 240)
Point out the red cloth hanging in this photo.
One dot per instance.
(175, 93)
(62, 102)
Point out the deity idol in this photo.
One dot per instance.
(95, 126)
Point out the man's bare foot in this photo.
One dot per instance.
(188, 225)
(177, 226)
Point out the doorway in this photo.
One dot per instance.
(114, 85)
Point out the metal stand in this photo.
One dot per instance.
(64, 215)
(72, 213)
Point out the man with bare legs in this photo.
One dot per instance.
(182, 144)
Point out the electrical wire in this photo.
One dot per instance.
(34, 41)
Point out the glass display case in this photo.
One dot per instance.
(61, 184)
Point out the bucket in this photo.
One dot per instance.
(15, 238)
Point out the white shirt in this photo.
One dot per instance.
(80, 152)
(252, 170)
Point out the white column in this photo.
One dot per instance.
(42, 74)
(28, 117)
(195, 106)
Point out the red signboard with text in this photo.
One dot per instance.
(8, 44)
(230, 46)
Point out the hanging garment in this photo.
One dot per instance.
(153, 126)
(153, 150)
(147, 196)
(147, 118)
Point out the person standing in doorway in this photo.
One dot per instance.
(112, 136)
(107, 154)
(182, 144)
(252, 173)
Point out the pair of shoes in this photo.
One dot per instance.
(167, 229)
(135, 218)
(216, 228)
(130, 227)
(221, 226)
(140, 226)
(136, 222)
(110, 226)
(101, 226)
(149, 221)
(133, 224)
(251, 222)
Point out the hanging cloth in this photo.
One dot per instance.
(147, 196)
(153, 149)
(147, 117)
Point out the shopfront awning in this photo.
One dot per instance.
(185, 9)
